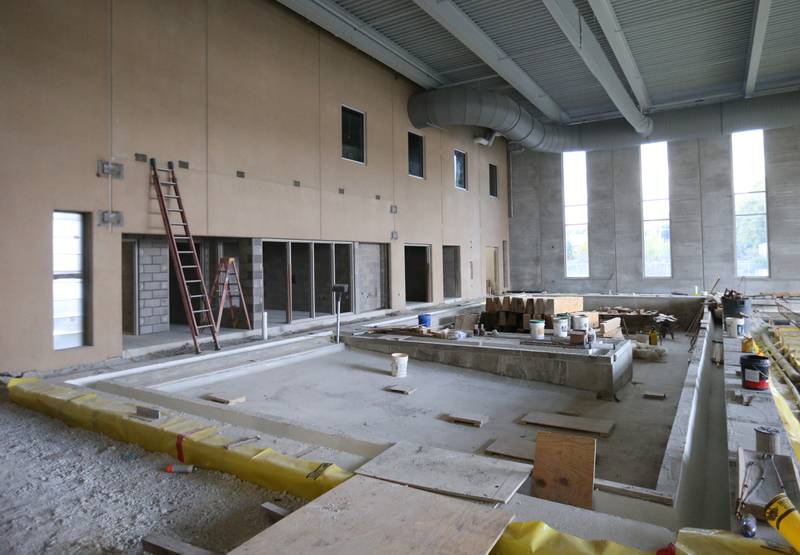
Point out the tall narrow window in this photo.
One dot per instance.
(460, 167)
(353, 135)
(655, 211)
(416, 155)
(492, 180)
(69, 291)
(576, 215)
(750, 204)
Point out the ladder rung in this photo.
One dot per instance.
(195, 296)
(170, 196)
(167, 182)
(185, 252)
(206, 326)
(164, 169)
(178, 223)
(192, 281)
(191, 266)
(180, 237)
(174, 209)
(201, 310)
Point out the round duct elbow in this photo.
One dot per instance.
(471, 107)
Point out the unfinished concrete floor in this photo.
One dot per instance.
(343, 394)
(67, 490)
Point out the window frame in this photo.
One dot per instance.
(422, 150)
(363, 114)
(765, 213)
(496, 181)
(564, 223)
(668, 220)
(85, 277)
(455, 170)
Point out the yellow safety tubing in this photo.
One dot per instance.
(200, 444)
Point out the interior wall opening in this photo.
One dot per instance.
(323, 279)
(343, 272)
(301, 280)
(372, 276)
(492, 271)
(451, 271)
(129, 285)
(417, 271)
(276, 287)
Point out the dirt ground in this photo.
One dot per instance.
(67, 490)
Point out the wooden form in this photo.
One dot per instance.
(594, 425)
(443, 471)
(225, 400)
(512, 314)
(363, 515)
(403, 390)
(159, 544)
(513, 447)
(274, 512)
(469, 418)
(564, 469)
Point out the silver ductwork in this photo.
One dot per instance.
(499, 113)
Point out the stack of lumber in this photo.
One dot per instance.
(512, 314)
(417, 331)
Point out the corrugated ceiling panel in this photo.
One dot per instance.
(686, 49)
(780, 59)
(526, 32)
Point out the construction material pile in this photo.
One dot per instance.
(514, 314)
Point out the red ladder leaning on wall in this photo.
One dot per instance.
(183, 253)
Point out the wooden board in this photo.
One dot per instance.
(592, 425)
(363, 515)
(442, 471)
(513, 447)
(472, 419)
(404, 390)
(564, 470)
(654, 395)
(274, 512)
(217, 398)
(159, 544)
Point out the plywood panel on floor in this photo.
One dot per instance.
(514, 447)
(451, 472)
(363, 515)
(591, 425)
(564, 470)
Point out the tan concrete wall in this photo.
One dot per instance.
(227, 85)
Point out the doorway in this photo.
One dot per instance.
(129, 281)
(492, 271)
(417, 270)
(276, 283)
(451, 271)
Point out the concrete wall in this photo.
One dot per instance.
(153, 280)
(371, 274)
(702, 220)
(226, 85)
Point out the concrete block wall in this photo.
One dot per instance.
(701, 211)
(251, 276)
(153, 282)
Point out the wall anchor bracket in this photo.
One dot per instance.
(114, 169)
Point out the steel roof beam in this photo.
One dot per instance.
(583, 40)
(449, 16)
(604, 12)
(341, 23)
(760, 18)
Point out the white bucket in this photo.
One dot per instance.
(399, 365)
(537, 329)
(580, 322)
(561, 327)
(734, 327)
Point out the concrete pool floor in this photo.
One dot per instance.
(342, 393)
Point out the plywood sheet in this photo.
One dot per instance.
(443, 471)
(363, 515)
(514, 447)
(591, 425)
(564, 470)
(403, 390)
(473, 419)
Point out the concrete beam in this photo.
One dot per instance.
(760, 19)
(583, 40)
(604, 12)
(449, 16)
(347, 27)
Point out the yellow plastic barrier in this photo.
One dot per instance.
(526, 538)
(186, 439)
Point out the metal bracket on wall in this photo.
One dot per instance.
(114, 169)
(395, 235)
(110, 217)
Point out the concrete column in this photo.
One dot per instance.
(153, 279)
(524, 235)
(251, 274)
